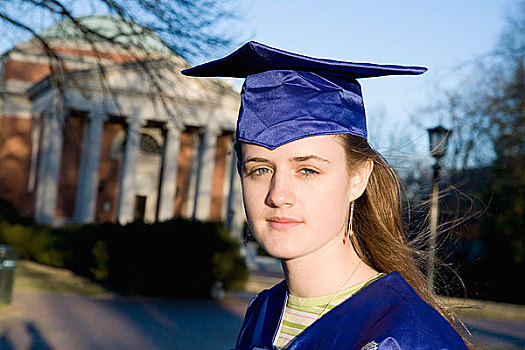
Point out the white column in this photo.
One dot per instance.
(49, 169)
(194, 174)
(169, 173)
(126, 194)
(236, 214)
(87, 183)
(229, 174)
(205, 177)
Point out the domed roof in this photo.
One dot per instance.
(126, 33)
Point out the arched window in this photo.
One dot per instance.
(149, 145)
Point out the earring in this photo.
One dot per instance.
(350, 221)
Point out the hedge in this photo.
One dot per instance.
(176, 258)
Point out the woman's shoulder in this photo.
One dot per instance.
(393, 295)
(397, 296)
(400, 313)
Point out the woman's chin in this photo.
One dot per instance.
(282, 251)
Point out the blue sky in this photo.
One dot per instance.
(441, 35)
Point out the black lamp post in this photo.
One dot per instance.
(438, 137)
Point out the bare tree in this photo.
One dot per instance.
(174, 29)
(192, 29)
(486, 102)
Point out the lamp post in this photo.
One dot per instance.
(438, 138)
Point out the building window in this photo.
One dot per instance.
(149, 145)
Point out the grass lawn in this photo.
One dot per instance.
(485, 309)
(32, 276)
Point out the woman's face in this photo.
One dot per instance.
(297, 196)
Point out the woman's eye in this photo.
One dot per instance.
(260, 171)
(308, 172)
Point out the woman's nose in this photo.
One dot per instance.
(281, 190)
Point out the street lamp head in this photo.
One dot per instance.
(438, 137)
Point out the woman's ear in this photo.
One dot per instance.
(359, 180)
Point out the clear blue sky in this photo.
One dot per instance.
(440, 35)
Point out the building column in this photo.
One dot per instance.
(205, 174)
(193, 178)
(87, 184)
(49, 168)
(168, 184)
(236, 216)
(35, 144)
(126, 193)
(229, 175)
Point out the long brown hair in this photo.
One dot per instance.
(379, 236)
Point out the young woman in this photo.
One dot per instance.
(321, 200)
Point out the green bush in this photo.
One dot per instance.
(176, 258)
(18, 237)
(51, 246)
(100, 258)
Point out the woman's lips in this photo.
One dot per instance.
(280, 223)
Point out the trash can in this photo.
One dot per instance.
(8, 259)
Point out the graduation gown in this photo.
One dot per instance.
(386, 314)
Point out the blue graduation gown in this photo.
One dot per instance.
(386, 314)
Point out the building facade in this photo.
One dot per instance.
(118, 135)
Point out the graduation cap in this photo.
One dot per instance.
(287, 96)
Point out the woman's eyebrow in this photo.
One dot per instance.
(305, 158)
(256, 160)
(294, 159)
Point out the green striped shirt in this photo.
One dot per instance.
(300, 313)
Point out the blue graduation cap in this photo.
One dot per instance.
(287, 96)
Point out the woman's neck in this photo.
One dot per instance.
(328, 270)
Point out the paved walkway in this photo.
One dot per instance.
(497, 334)
(41, 321)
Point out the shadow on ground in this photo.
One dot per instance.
(54, 321)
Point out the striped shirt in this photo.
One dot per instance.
(300, 313)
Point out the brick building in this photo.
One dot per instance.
(144, 142)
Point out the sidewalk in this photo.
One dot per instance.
(54, 321)
(39, 320)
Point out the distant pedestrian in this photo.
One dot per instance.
(319, 198)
